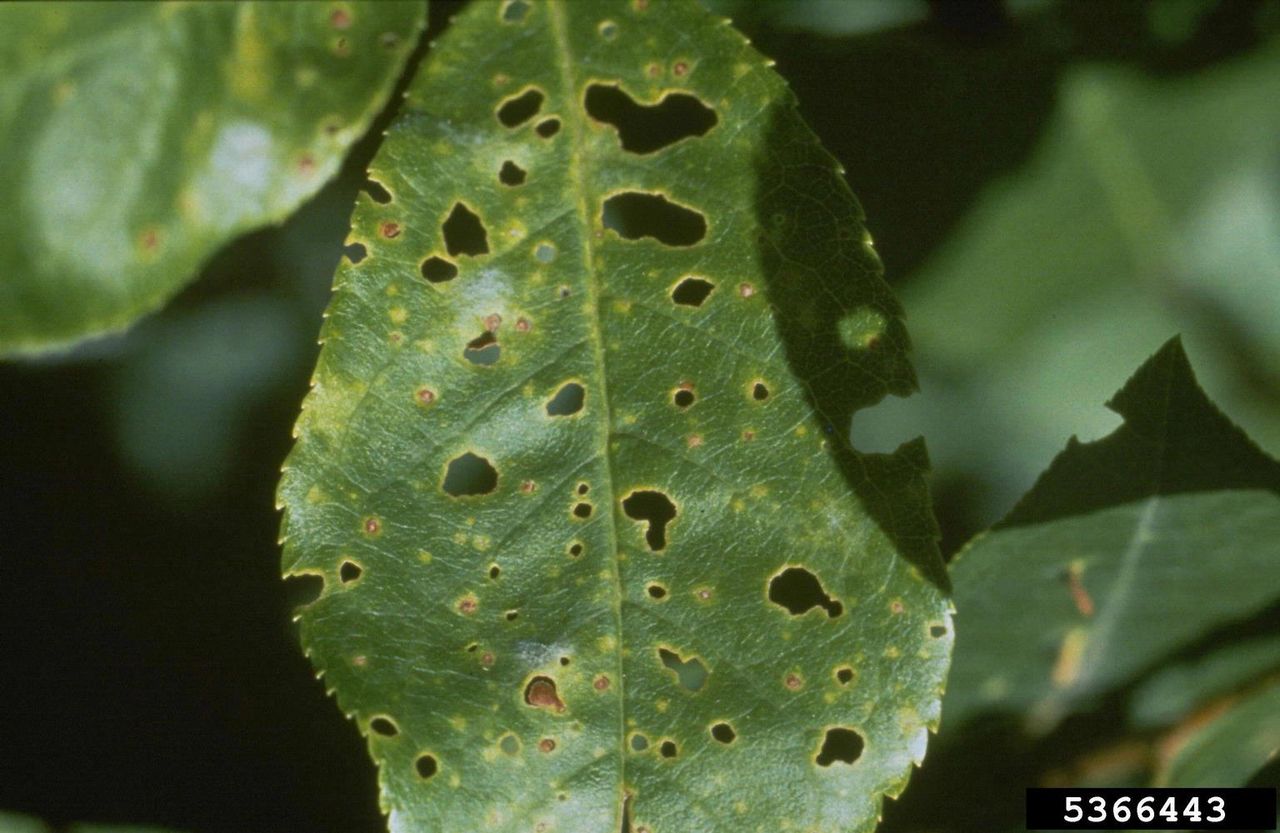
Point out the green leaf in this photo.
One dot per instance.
(1175, 690)
(1231, 747)
(1150, 207)
(591, 539)
(136, 138)
(1125, 550)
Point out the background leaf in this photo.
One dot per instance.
(1231, 747)
(573, 471)
(1173, 519)
(136, 138)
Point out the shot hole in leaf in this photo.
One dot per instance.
(355, 252)
(544, 252)
(509, 744)
(668, 749)
(427, 766)
(495, 571)
(844, 675)
(656, 591)
(541, 694)
(349, 571)
(547, 128)
(567, 401)
(583, 488)
(759, 391)
(469, 475)
(377, 191)
(515, 11)
(654, 509)
(937, 631)
(691, 292)
(690, 673)
(383, 726)
(512, 615)
(683, 398)
(464, 233)
(799, 591)
(438, 270)
(518, 109)
(724, 733)
(635, 215)
(583, 510)
(575, 549)
(302, 589)
(639, 742)
(648, 128)
(483, 350)
(512, 174)
(840, 744)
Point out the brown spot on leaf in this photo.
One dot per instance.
(547, 745)
(601, 683)
(372, 526)
(541, 694)
(389, 230)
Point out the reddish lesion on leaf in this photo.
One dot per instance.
(541, 693)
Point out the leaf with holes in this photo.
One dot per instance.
(591, 547)
(136, 138)
(1126, 550)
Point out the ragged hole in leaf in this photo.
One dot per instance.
(648, 128)
(582, 510)
(656, 591)
(302, 589)
(377, 191)
(438, 270)
(759, 391)
(799, 590)
(668, 749)
(844, 675)
(724, 733)
(634, 215)
(690, 673)
(515, 11)
(483, 349)
(468, 475)
(541, 694)
(512, 174)
(567, 401)
(840, 744)
(653, 508)
(427, 766)
(383, 726)
(349, 572)
(517, 110)
(464, 234)
(691, 292)
(547, 128)
(639, 742)
(355, 252)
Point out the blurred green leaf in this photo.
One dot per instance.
(1231, 747)
(1177, 689)
(1125, 550)
(136, 138)
(10, 823)
(591, 546)
(1152, 207)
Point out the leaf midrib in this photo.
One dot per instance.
(573, 127)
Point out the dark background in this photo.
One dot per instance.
(149, 671)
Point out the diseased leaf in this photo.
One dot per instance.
(573, 471)
(1231, 747)
(136, 138)
(1126, 549)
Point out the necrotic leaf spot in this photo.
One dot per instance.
(519, 109)
(438, 270)
(426, 766)
(464, 234)
(349, 572)
(644, 129)
(541, 694)
(634, 215)
(840, 744)
(654, 508)
(799, 590)
(567, 400)
(483, 349)
(723, 732)
(691, 292)
(512, 174)
(470, 474)
(690, 673)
